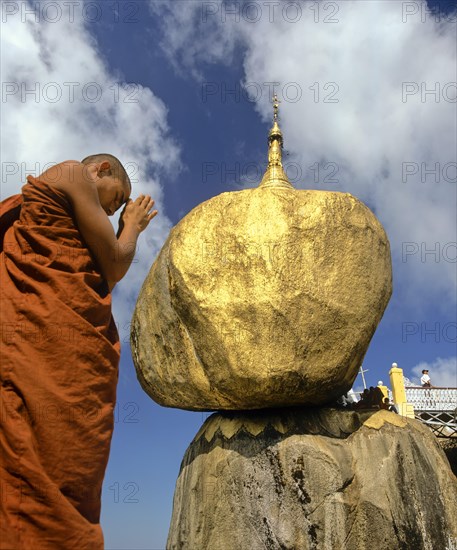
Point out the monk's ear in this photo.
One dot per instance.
(105, 166)
(104, 169)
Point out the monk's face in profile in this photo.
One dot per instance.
(113, 192)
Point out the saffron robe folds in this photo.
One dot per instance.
(60, 354)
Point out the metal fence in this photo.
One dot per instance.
(432, 399)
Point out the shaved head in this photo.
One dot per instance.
(117, 170)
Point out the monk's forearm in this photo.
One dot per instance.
(125, 250)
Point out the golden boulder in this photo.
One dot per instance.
(265, 297)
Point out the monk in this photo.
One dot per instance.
(60, 259)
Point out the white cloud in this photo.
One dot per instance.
(179, 20)
(37, 130)
(374, 133)
(442, 372)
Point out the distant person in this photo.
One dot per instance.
(377, 397)
(425, 380)
(363, 402)
(388, 406)
(366, 399)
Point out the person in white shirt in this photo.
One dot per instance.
(425, 380)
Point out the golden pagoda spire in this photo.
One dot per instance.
(274, 175)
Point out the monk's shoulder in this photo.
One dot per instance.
(66, 176)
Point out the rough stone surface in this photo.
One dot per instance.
(262, 298)
(322, 479)
(449, 446)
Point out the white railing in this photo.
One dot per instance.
(432, 399)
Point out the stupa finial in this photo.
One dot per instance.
(274, 175)
(275, 108)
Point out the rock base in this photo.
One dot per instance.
(301, 478)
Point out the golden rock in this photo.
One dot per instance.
(264, 297)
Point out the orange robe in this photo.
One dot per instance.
(59, 365)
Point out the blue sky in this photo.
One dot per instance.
(186, 139)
